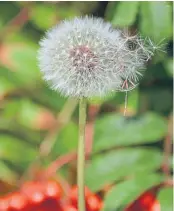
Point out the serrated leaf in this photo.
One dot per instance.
(125, 13)
(112, 166)
(126, 192)
(165, 198)
(156, 19)
(115, 130)
(16, 151)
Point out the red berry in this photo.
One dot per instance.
(52, 189)
(4, 203)
(33, 191)
(14, 202)
(17, 202)
(94, 203)
(70, 208)
(52, 192)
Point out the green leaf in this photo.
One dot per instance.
(23, 63)
(123, 132)
(165, 198)
(7, 174)
(126, 192)
(28, 113)
(169, 67)
(16, 151)
(110, 10)
(50, 98)
(9, 125)
(11, 109)
(8, 80)
(69, 12)
(101, 100)
(44, 15)
(7, 12)
(125, 13)
(156, 19)
(5, 86)
(115, 165)
(67, 140)
(47, 15)
(155, 94)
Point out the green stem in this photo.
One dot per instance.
(81, 155)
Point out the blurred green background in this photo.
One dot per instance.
(132, 153)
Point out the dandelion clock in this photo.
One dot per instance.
(86, 57)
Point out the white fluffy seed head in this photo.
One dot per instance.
(86, 57)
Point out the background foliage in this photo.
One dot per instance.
(132, 154)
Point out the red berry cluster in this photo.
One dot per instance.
(46, 196)
(33, 196)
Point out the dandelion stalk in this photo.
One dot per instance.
(81, 155)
